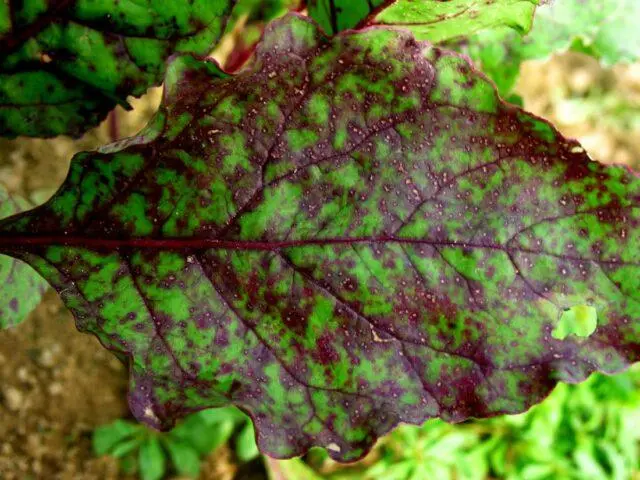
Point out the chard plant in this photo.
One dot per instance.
(351, 231)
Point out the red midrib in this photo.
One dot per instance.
(22, 242)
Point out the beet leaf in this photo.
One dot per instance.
(604, 29)
(437, 21)
(337, 15)
(65, 64)
(353, 232)
(432, 20)
(22, 287)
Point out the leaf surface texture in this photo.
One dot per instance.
(65, 64)
(352, 233)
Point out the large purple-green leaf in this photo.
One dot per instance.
(351, 233)
(64, 64)
(22, 287)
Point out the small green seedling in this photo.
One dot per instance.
(152, 455)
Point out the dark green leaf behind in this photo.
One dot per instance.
(337, 15)
(65, 64)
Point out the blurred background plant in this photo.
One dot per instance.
(152, 455)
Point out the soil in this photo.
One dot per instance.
(600, 107)
(57, 385)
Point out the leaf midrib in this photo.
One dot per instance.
(20, 243)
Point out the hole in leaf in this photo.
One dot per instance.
(580, 320)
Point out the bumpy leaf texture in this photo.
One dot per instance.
(433, 20)
(350, 233)
(22, 287)
(65, 64)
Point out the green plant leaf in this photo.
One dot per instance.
(204, 438)
(106, 437)
(128, 464)
(127, 447)
(151, 460)
(246, 447)
(184, 457)
(22, 286)
(498, 53)
(432, 20)
(213, 416)
(438, 21)
(262, 10)
(207, 430)
(294, 469)
(335, 16)
(604, 29)
(65, 64)
(581, 320)
(353, 232)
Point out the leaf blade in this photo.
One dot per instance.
(106, 437)
(603, 30)
(335, 16)
(382, 240)
(431, 20)
(439, 21)
(65, 66)
(152, 460)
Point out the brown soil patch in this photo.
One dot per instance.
(57, 386)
